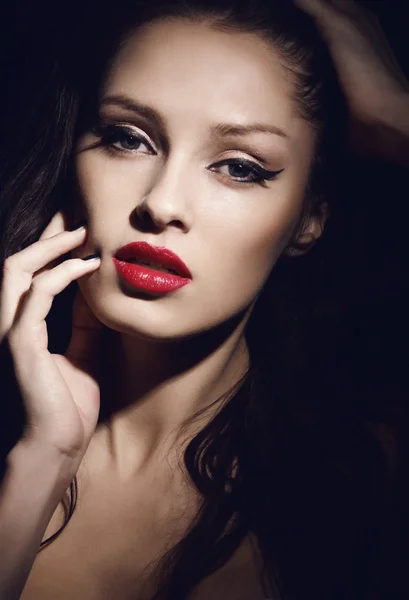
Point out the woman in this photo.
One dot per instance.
(205, 149)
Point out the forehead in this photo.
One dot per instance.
(194, 69)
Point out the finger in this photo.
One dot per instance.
(19, 271)
(85, 337)
(324, 15)
(348, 6)
(338, 19)
(30, 326)
(315, 8)
(326, 12)
(39, 254)
(56, 225)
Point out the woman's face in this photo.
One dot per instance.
(192, 119)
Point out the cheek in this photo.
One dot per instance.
(107, 189)
(100, 181)
(233, 231)
(252, 240)
(99, 193)
(236, 265)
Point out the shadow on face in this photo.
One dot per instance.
(197, 147)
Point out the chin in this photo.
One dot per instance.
(147, 323)
(146, 317)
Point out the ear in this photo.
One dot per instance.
(311, 232)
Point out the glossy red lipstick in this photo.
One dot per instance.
(151, 268)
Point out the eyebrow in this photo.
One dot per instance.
(219, 130)
(227, 129)
(136, 107)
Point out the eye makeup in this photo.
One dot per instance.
(246, 171)
(129, 140)
(122, 139)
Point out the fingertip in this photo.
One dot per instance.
(315, 8)
(56, 225)
(304, 4)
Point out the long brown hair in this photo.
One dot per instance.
(305, 468)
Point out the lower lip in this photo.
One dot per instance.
(149, 280)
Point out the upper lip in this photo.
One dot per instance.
(160, 255)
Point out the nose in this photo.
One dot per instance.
(165, 204)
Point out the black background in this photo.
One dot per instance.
(369, 273)
(370, 269)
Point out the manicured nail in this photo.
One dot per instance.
(91, 257)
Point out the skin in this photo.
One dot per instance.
(142, 498)
(177, 352)
(375, 87)
(165, 357)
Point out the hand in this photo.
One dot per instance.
(374, 85)
(60, 393)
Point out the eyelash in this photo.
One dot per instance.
(112, 134)
(258, 173)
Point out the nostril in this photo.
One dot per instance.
(177, 223)
(144, 219)
(155, 219)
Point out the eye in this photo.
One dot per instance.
(244, 171)
(119, 138)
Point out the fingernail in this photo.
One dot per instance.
(91, 257)
(79, 225)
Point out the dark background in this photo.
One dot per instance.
(30, 29)
(368, 275)
(367, 281)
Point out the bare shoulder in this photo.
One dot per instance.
(117, 532)
(238, 579)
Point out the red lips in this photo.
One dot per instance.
(158, 256)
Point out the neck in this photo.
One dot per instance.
(150, 389)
